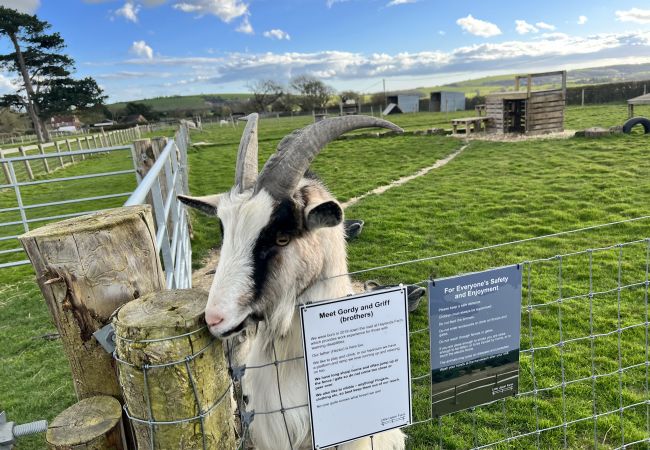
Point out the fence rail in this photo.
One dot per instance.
(166, 179)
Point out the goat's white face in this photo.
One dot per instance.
(270, 254)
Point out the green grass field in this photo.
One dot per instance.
(493, 192)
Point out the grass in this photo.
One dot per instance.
(493, 192)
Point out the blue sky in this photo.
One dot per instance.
(144, 48)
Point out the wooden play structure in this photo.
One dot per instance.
(528, 111)
(640, 100)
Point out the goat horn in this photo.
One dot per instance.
(246, 171)
(284, 169)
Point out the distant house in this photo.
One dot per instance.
(134, 118)
(57, 122)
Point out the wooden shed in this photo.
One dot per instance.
(527, 110)
(640, 100)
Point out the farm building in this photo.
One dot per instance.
(445, 101)
(70, 121)
(407, 102)
(527, 111)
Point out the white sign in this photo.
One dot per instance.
(358, 368)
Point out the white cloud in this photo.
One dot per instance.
(478, 27)
(23, 6)
(226, 10)
(245, 26)
(545, 52)
(141, 49)
(634, 15)
(277, 34)
(582, 20)
(524, 27)
(545, 26)
(442, 32)
(129, 11)
(331, 3)
(7, 86)
(400, 2)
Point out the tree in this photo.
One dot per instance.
(133, 108)
(313, 93)
(45, 86)
(265, 93)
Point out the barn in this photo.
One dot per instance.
(446, 101)
(406, 102)
(528, 110)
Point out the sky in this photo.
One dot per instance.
(147, 48)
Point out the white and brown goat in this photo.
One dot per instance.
(283, 238)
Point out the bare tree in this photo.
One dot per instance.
(313, 93)
(265, 93)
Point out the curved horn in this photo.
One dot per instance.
(284, 169)
(246, 171)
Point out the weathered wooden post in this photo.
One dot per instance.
(28, 167)
(46, 166)
(173, 373)
(94, 423)
(86, 268)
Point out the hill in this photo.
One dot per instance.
(201, 102)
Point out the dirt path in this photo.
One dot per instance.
(406, 179)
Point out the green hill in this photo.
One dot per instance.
(202, 102)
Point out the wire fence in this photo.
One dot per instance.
(584, 363)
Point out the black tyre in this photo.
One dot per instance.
(634, 121)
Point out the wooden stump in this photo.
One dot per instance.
(94, 423)
(86, 268)
(193, 378)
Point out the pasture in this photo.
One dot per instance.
(493, 192)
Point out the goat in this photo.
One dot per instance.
(283, 237)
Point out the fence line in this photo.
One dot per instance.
(627, 374)
(93, 141)
(166, 179)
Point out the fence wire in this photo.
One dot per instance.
(584, 363)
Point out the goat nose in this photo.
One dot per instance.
(212, 318)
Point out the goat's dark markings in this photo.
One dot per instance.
(286, 219)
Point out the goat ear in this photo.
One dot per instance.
(326, 214)
(206, 204)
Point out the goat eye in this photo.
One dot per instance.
(282, 239)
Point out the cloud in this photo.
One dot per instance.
(226, 10)
(245, 26)
(400, 2)
(545, 26)
(7, 86)
(547, 51)
(141, 49)
(524, 27)
(331, 3)
(23, 6)
(582, 20)
(478, 27)
(277, 34)
(635, 15)
(129, 11)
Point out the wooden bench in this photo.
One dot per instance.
(471, 124)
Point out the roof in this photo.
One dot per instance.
(640, 100)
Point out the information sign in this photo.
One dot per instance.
(475, 321)
(358, 368)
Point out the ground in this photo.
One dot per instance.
(491, 192)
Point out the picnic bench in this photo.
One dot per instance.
(471, 124)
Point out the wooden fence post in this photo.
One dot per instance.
(58, 150)
(5, 167)
(184, 377)
(86, 267)
(28, 167)
(46, 166)
(94, 423)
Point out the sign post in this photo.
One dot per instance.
(475, 321)
(358, 368)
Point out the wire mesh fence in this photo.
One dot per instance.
(584, 364)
